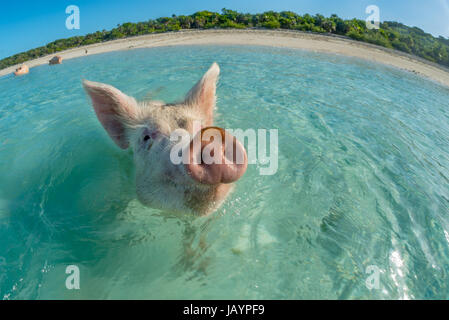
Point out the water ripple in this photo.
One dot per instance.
(363, 181)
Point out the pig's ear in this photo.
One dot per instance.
(114, 109)
(202, 95)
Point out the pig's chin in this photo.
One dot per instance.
(187, 200)
(183, 195)
(164, 201)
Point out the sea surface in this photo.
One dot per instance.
(358, 208)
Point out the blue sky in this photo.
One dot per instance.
(28, 24)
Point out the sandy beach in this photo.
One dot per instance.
(275, 38)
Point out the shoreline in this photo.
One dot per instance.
(275, 38)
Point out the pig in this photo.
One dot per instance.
(190, 187)
(23, 69)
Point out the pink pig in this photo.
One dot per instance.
(189, 187)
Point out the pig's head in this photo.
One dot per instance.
(192, 186)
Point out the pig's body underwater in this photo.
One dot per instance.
(192, 186)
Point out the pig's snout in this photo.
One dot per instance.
(216, 157)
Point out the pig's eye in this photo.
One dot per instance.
(146, 138)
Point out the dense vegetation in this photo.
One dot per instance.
(391, 34)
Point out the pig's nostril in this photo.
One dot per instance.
(146, 138)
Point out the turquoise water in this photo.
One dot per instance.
(363, 181)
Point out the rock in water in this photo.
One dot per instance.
(55, 60)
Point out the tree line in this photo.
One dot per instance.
(392, 35)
